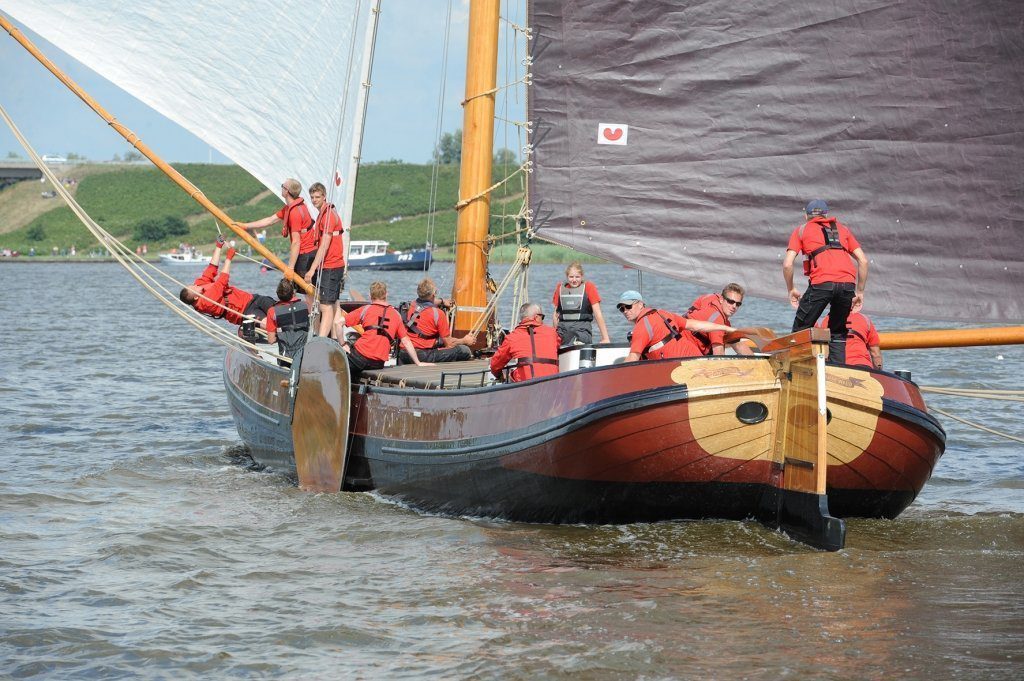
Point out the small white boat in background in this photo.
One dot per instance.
(189, 258)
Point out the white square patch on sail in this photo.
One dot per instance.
(612, 133)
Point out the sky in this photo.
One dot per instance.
(401, 117)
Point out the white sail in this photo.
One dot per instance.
(270, 85)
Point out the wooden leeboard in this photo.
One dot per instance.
(320, 416)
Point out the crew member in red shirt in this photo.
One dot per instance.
(287, 322)
(331, 254)
(533, 346)
(296, 226)
(214, 296)
(430, 332)
(658, 334)
(863, 347)
(382, 326)
(718, 308)
(837, 269)
(577, 303)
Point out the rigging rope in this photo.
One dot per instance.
(977, 425)
(436, 169)
(125, 256)
(978, 394)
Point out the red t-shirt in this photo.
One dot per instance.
(296, 218)
(223, 293)
(373, 344)
(707, 308)
(860, 335)
(517, 345)
(589, 290)
(432, 323)
(831, 265)
(643, 337)
(328, 226)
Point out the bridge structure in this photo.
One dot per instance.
(16, 171)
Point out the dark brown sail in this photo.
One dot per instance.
(686, 138)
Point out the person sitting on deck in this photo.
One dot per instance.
(863, 347)
(212, 294)
(382, 326)
(718, 308)
(288, 322)
(430, 331)
(533, 346)
(658, 334)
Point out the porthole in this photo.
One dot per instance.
(752, 412)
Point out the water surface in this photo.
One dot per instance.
(134, 542)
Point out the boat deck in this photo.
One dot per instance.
(446, 376)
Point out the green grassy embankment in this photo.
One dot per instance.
(121, 197)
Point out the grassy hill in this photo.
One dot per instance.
(392, 203)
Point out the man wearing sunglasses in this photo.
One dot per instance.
(719, 308)
(837, 270)
(658, 334)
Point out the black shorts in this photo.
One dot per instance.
(303, 262)
(330, 284)
(258, 306)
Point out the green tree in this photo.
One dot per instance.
(504, 156)
(449, 149)
(158, 229)
(13, 155)
(72, 156)
(132, 156)
(36, 233)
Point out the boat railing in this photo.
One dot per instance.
(455, 380)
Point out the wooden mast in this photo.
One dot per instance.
(144, 149)
(474, 206)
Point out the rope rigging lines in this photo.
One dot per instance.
(140, 269)
(980, 394)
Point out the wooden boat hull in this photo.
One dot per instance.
(626, 443)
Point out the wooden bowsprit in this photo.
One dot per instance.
(320, 416)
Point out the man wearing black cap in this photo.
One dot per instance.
(837, 270)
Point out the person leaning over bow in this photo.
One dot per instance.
(837, 270)
(658, 334)
(296, 226)
(213, 295)
(382, 326)
(533, 346)
(287, 321)
(430, 332)
(718, 308)
(863, 346)
(331, 253)
(577, 303)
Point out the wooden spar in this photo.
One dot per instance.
(468, 290)
(951, 338)
(144, 149)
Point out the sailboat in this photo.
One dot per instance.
(680, 139)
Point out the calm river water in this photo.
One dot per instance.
(133, 542)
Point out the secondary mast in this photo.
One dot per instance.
(474, 205)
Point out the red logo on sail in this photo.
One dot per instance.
(612, 133)
(337, 179)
